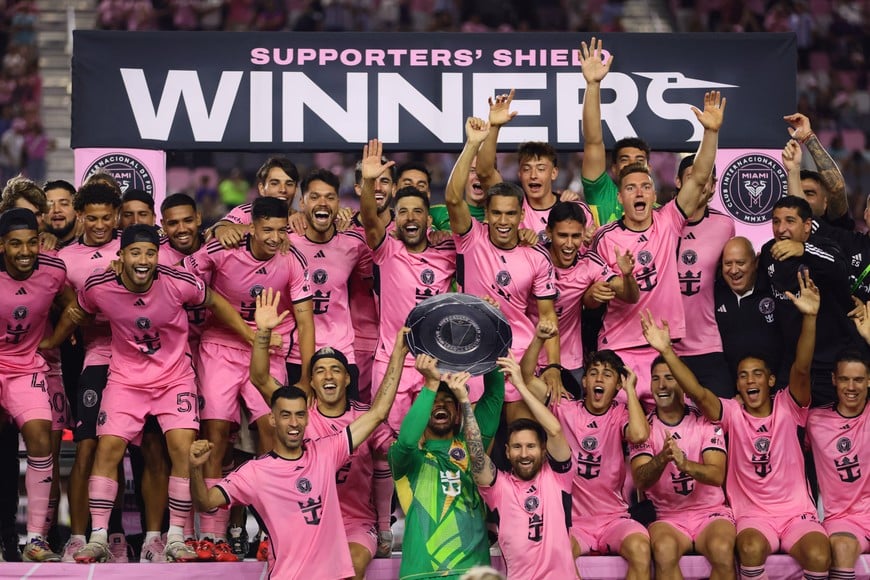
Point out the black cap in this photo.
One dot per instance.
(138, 195)
(17, 218)
(140, 233)
(329, 352)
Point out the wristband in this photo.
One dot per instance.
(552, 366)
(808, 137)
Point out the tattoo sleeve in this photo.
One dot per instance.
(480, 461)
(831, 177)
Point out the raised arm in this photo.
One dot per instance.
(807, 303)
(366, 423)
(372, 168)
(499, 114)
(482, 468)
(267, 318)
(637, 430)
(691, 194)
(791, 159)
(659, 337)
(832, 178)
(594, 70)
(204, 498)
(557, 444)
(544, 331)
(476, 130)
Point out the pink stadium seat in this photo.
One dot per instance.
(826, 137)
(854, 140)
(177, 179)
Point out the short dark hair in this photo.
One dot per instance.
(537, 150)
(632, 168)
(607, 358)
(19, 187)
(138, 195)
(505, 189)
(105, 178)
(269, 207)
(324, 175)
(176, 200)
(282, 162)
(415, 166)
(689, 161)
(814, 176)
(804, 211)
(563, 211)
(96, 193)
(526, 424)
(411, 191)
(756, 356)
(357, 171)
(287, 392)
(659, 360)
(852, 355)
(60, 184)
(626, 142)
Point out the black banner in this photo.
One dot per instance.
(332, 92)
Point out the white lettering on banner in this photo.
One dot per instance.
(395, 93)
(181, 84)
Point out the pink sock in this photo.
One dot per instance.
(101, 494)
(37, 482)
(383, 492)
(180, 503)
(207, 520)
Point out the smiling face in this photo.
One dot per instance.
(444, 418)
(739, 265)
(20, 249)
(181, 225)
(329, 379)
(138, 264)
(525, 454)
(135, 212)
(412, 222)
(267, 235)
(415, 178)
(504, 214)
(754, 381)
(474, 192)
(320, 204)
(788, 225)
(61, 218)
(385, 187)
(98, 222)
(289, 418)
(566, 238)
(665, 390)
(601, 382)
(851, 379)
(278, 184)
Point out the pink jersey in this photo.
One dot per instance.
(403, 279)
(238, 276)
(81, 261)
(837, 442)
(698, 262)
(241, 214)
(765, 461)
(514, 278)
(24, 313)
(149, 329)
(330, 265)
(654, 251)
(536, 219)
(356, 476)
(675, 491)
(596, 441)
(571, 283)
(196, 315)
(363, 310)
(298, 504)
(534, 521)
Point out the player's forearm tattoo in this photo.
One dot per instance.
(473, 439)
(390, 380)
(263, 338)
(828, 170)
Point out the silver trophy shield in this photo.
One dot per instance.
(463, 332)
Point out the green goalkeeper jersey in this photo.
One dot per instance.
(445, 528)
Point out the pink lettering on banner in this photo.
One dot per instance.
(392, 57)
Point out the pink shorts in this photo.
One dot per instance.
(25, 397)
(605, 535)
(856, 526)
(363, 533)
(782, 533)
(124, 409)
(692, 523)
(60, 411)
(225, 378)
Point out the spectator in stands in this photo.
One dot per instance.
(234, 189)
